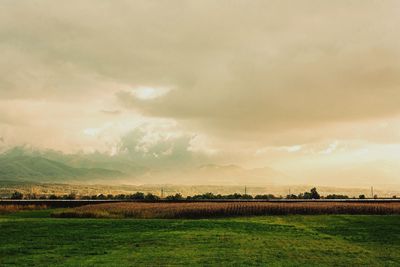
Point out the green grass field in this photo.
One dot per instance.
(32, 238)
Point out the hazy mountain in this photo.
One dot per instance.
(233, 174)
(211, 174)
(35, 168)
(26, 164)
(79, 160)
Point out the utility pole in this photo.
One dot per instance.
(245, 190)
(162, 192)
(372, 192)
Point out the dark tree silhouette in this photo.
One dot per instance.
(17, 195)
(314, 193)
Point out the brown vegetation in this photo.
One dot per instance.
(208, 210)
(4, 209)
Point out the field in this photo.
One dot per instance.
(5, 209)
(34, 238)
(197, 210)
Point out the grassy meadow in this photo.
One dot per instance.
(34, 238)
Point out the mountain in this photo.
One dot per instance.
(40, 169)
(212, 174)
(24, 164)
(233, 174)
(80, 160)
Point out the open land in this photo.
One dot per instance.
(35, 238)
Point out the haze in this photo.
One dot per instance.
(304, 92)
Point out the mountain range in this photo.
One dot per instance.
(49, 166)
(39, 169)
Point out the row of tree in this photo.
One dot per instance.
(312, 194)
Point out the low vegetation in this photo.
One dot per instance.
(210, 210)
(32, 238)
(4, 209)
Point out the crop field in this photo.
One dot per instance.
(4, 209)
(197, 210)
(34, 238)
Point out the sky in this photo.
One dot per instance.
(308, 88)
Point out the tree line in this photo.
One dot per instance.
(312, 194)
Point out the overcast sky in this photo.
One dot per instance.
(310, 88)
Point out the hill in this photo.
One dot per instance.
(34, 168)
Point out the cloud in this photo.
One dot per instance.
(228, 78)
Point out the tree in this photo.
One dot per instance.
(314, 193)
(246, 196)
(101, 197)
(137, 195)
(306, 195)
(120, 196)
(175, 197)
(361, 196)
(268, 196)
(151, 197)
(17, 195)
(334, 196)
(71, 196)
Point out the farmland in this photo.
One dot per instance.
(5, 209)
(34, 238)
(196, 210)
